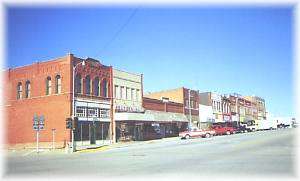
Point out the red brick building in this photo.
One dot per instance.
(187, 97)
(162, 105)
(45, 88)
(167, 114)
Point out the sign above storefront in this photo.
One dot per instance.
(133, 109)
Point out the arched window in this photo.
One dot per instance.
(48, 86)
(104, 88)
(87, 85)
(78, 84)
(19, 90)
(96, 87)
(27, 89)
(57, 84)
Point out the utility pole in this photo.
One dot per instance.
(237, 114)
(190, 111)
(73, 103)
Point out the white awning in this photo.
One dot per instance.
(125, 116)
(157, 116)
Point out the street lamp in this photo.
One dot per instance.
(73, 102)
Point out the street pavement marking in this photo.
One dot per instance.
(29, 153)
(102, 148)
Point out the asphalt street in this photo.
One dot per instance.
(263, 153)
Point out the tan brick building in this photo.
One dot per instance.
(189, 98)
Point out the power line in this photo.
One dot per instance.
(119, 31)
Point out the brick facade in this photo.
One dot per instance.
(159, 105)
(54, 105)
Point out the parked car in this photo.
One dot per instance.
(222, 129)
(250, 125)
(196, 132)
(238, 127)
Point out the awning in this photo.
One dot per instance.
(156, 116)
(125, 116)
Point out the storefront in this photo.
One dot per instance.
(149, 125)
(93, 126)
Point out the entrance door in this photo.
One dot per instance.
(138, 134)
(92, 133)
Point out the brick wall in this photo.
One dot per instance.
(174, 95)
(159, 105)
(55, 107)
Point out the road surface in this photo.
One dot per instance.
(263, 153)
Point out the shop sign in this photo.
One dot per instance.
(133, 109)
(248, 103)
(226, 118)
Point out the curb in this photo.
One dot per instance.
(89, 150)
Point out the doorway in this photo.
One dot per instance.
(138, 132)
(92, 133)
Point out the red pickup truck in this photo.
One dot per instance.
(223, 129)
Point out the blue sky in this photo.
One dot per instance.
(248, 50)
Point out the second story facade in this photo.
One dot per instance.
(127, 91)
(188, 97)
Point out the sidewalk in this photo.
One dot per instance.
(81, 149)
(125, 144)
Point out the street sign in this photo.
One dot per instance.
(42, 120)
(35, 120)
(38, 122)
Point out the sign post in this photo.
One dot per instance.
(53, 139)
(38, 124)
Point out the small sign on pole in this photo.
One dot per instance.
(38, 124)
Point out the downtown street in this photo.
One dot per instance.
(261, 153)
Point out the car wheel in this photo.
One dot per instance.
(207, 135)
(228, 132)
(187, 136)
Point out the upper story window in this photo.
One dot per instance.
(48, 86)
(104, 88)
(128, 93)
(27, 89)
(96, 87)
(122, 92)
(116, 92)
(138, 94)
(57, 84)
(187, 103)
(132, 94)
(78, 84)
(87, 85)
(19, 90)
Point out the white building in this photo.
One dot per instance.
(205, 113)
(127, 91)
(213, 100)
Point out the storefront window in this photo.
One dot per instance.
(92, 112)
(104, 113)
(80, 111)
